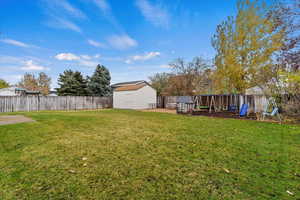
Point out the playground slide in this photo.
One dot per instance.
(244, 110)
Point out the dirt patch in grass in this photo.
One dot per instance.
(14, 119)
(160, 110)
(224, 114)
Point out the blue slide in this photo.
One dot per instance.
(244, 110)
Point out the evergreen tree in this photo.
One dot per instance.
(72, 84)
(99, 82)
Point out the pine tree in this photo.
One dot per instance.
(72, 84)
(99, 82)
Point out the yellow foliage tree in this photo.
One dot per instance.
(245, 46)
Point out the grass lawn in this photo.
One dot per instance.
(119, 154)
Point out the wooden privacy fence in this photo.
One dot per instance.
(168, 102)
(37, 103)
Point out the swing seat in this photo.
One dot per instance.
(203, 107)
(274, 112)
(271, 114)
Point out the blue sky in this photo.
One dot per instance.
(132, 38)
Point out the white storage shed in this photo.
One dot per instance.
(134, 95)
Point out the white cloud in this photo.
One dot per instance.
(64, 24)
(82, 60)
(70, 25)
(30, 66)
(69, 8)
(95, 43)
(86, 57)
(60, 12)
(146, 56)
(61, 8)
(15, 43)
(106, 10)
(67, 56)
(97, 56)
(88, 63)
(10, 60)
(154, 13)
(103, 5)
(122, 42)
(165, 66)
(128, 61)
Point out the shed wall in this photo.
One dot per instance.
(136, 99)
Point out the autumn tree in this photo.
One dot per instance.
(159, 82)
(44, 83)
(288, 79)
(3, 84)
(40, 83)
(29, 82)
(190, 78)
(245, 46)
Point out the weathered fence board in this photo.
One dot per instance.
(37, 103)
(168, 102)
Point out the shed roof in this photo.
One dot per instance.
(130, 87)
(127, 83)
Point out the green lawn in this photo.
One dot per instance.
(119, 154)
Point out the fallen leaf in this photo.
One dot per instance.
(193, 174)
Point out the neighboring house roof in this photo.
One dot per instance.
(128, 83)
(130, 87)
(19, 89)
(12, 89)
